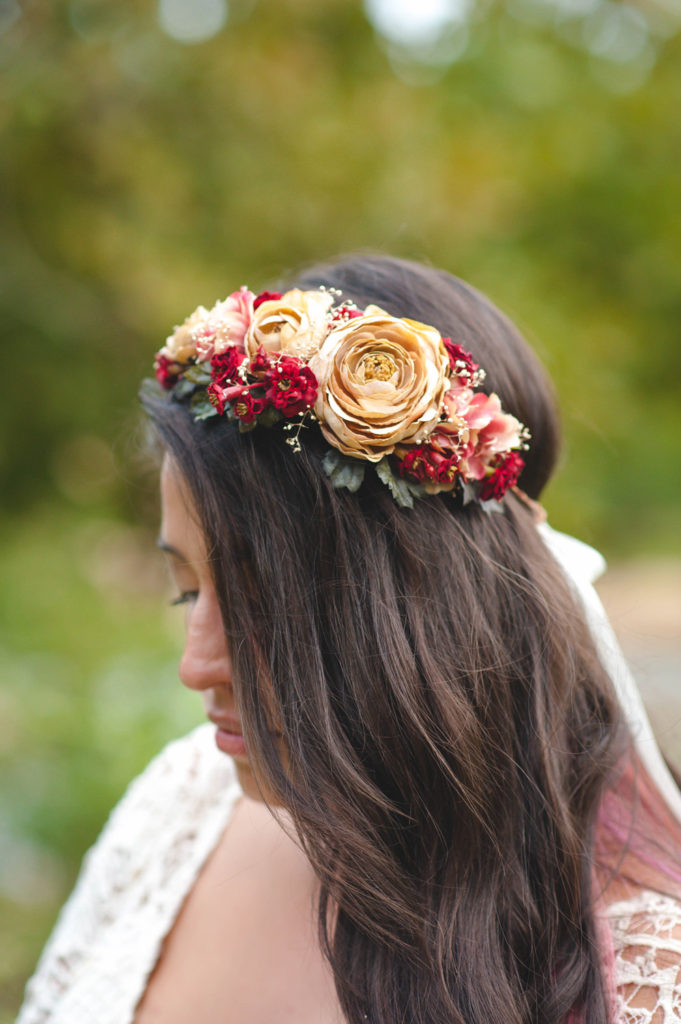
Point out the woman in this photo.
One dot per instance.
(422, 802)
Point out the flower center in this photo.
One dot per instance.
(376, 366)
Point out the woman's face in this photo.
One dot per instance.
(205, 665)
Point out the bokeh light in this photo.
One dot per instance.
(415, 23)
(192, 21)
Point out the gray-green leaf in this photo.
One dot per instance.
(201, 408)
(184, 388)
(342, 471)
(269, 416)
(403, 491)
(199, 374)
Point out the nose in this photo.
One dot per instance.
(205, 661)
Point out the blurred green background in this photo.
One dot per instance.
(157, 156)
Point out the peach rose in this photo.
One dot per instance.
(381, 382)
(295, 325)
(208, 332)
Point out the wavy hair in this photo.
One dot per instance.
(449, 729)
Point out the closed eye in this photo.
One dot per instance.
(185, 597)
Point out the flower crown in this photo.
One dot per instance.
(386, 391)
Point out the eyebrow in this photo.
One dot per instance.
(164, 546)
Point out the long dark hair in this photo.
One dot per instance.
(448, 726)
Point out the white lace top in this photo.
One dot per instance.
(109, 934)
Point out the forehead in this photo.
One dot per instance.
(180, 527)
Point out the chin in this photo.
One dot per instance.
(247, 779)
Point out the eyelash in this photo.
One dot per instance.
(185, 597)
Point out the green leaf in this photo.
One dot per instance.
(184, 388)
(269, 417)
(342, 471)
(470, 491)
(245, 428)
(201, 407)
(199, 374)
(403, 491)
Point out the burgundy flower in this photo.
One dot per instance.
(291, 386)
(261, 362)
(505, 475)
(239, 397)
(225, 366)
(426, 464)
(247, 406)
(216, 396)
(460, 361)
(265, 297)
(342, 314)
(166, 371)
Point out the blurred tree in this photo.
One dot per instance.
(142, 175)
(156, 157)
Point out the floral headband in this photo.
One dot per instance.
(386, 391)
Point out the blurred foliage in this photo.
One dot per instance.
(530, 147)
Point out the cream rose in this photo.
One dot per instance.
(207, 332)
(381, 382)
(180, 347)
(296, 324)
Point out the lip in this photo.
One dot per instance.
(228, 736)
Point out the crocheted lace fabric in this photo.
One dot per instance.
(134, 880)
(136, 877)
(646, 932)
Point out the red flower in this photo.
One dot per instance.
(505, 475)
(260, 362)
(265, 297)
(239, 397)
(291, 386)
(225, 366)
(247, 406)
(166, 371)
(426, 463)
(216, 396)
(342, 314)
(460, 361)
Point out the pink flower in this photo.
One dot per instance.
(491, 431)
(223, 325)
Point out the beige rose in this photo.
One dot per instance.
(381, 382)
(181, 345)
(296, 324)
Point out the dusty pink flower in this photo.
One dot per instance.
(208, 332)
(491, 431)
